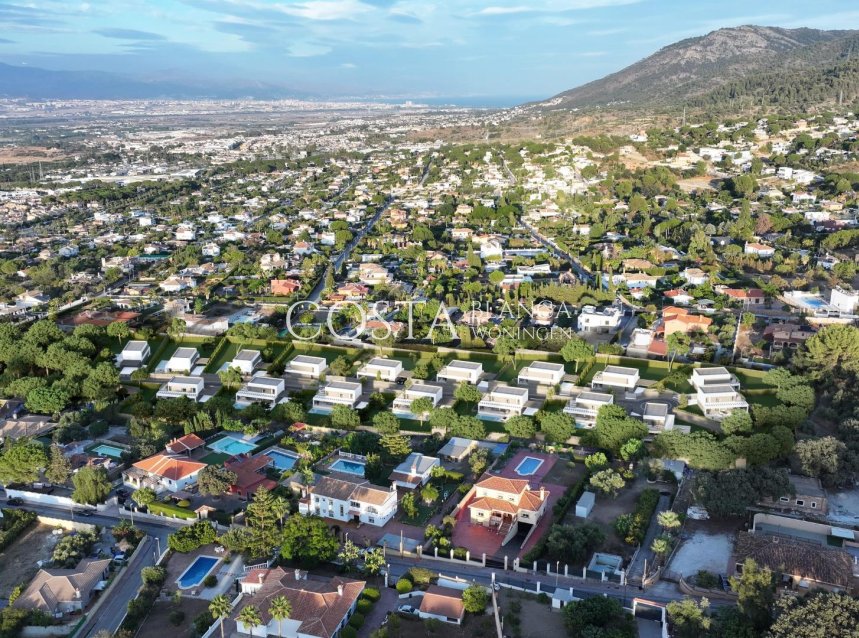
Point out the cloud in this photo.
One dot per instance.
(308, 49)
(405, 18)
(129, 34)
(243, 29)
(348, 65)
(327, 9)
(6, 41)
(593, 54)
(500, 11)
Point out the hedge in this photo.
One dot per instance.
(371, 593)
(16, 522)
(190, 538)
(357, 620)
(639, 520)
(348, 632)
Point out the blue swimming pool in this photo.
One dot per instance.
(528, 466)
(197, 571)
(813, 302)
(350, 467)
(282, 460)
(107, 450)
(232, 446)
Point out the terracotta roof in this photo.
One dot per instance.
(169, 466)
(738, 293)
(50, 587)
(248, 476)
(344, 489)
(502, 484)
(185, 444)
(489, 504)
(443, 601)
(803, 560)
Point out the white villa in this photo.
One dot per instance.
(616, 377)
(717, 392)
(403, 403)
(457, 371)
(134, 353)
(163, 472)
(246, 361)
(190, 387)
(599, 320)
(414, 471)
(502, 402)
(305, 366)
(585, 407)
(262, 389)
(336, 393)
(657, 417)
(381, 368)
(542, 373)
(183, 360)
(349, 499)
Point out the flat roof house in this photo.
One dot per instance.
(189, 387)
(163, 472)
(716, 392)
(336, 393)
(414, 471)
(58, 592)
(616, 377)
(305, 366)
(457, 448)
(246, 361)
(442, 603)
(585, 407)
(599, 320)
(262, 389)
(502, 402)
(134, 352)
(381, 368)
(809, 497)
(457, 371)
(542, 373)
(349, 499)
(403, 403)
(503, 503)
(657, 417)
(183, 360)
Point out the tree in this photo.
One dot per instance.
(395, 445)
(177, 328)
(731, 492)
(632, 449)
(467, 393)
(521, 427)
(307, 540)
(660, 546)
(817, 615)
(578, 350)
(262, 516)
(349, 554)
(289, 411)
(688, 617)
(144, 496)
(59, 469)
(614, 428)
(596, 461)
(478, 460)
(777, 377)
(344, 418)
(668, 520)
(250, 617)
(557, 427)
(47, 400)
(828, 459)
(91, 485)
(737, 422)
(834, 348)
(374, 561)
(409, 506)
(231, 377)
(220, 608)
(573, 544)
(474, 599)
(214, 480)
(678, 343)
(421, 407)
(429, 494)
(609, 482)
(280, 609)
(598, 617)
(755, 589)
(118, 330)
(386, 423)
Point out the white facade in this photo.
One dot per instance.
(657, 417)
(600, 320)
(190, 387)
(403, 403)
(585, 407)
(350, 500)
(381, 368)
(457, 371)
(847, 301)
(502, 402)
(262, 389)
(616, 377)
(135, 352)
(305, 366)
(183, 360)
(542, 373)
(717, 392)
(336, 393)
(246, 361)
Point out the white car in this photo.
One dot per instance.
(407, 609)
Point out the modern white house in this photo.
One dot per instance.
(585, 407)
(382, 369)
(414, 471)
(307, 367)
(183, 360)
(135, 353)
(190, 387)
(618, 377)
(599, 320)
(657, 417)
(336, 393)
(346, 499)
(502, 402)
(262, 389)
(457, 371)
(246, 361)
(847, 301)
(717, 392)
(542, 373)
(403, 403)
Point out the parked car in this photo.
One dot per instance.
(15, 500)
(84, 513)
(407, 609)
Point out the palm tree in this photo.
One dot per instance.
(661, 546)
(280, 609)
(250, 618)
(668, 520)
(220, 608)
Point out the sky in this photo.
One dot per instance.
(397, 48)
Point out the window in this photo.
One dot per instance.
(813, 505)
(784, 499)
(800, 502)
(354, 504)
(370, 519)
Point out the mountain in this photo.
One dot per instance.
(35, 83)
(744, 65)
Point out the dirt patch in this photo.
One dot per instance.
(158, 625)
(535, 619)
(18, 564)
(26, 154)
(413, 627)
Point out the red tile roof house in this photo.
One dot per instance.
(250, 475)
(442, 603)
(750, 297)
(503, 503)
(284, 286)
(185, 444)
(162, 472)
(321, 607)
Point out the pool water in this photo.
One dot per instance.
(282, 460)
(197, 571)
(528, 466)
(231, 446)
(813, 302)
(107, 450)
(350, 467)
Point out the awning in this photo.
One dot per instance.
(840, 532)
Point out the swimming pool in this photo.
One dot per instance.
(197, 571)
(232, 446)
(107, 450)
(282, 460)
(528, 466)
(350, 467)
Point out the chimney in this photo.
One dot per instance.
(297, 574)
(414, 469)
(542, 493)
(339, 590)
(261, 576)
(77, 593)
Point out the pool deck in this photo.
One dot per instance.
(509, 470)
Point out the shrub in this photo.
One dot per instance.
(190, 538)
(154, 575)
(421, 575)
(633, 527)
(463, 488)
(210, 581)
(72, 548)
(357, 620)
(371, 593)
(14, 524)
(543, 598)
(184, 503)
(404, 586)
(348, 632)
(706, 580)
(364, 606)
(460, 553)
(177, 617)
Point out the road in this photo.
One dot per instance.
(583, 275)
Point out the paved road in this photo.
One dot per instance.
(583, 275)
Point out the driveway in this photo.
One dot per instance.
(387, 602)
(636, 568)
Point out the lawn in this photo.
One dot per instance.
(329, 353)
(168, 509)
(215, 458)
(225, 354)
(762, 397)
(750, 379)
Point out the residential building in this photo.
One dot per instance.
(542, 373)
(250, 474)
(679, 296)
(283, 287)
(382, 369)
(403, 403)
(185, 444)
(414, 471)
(808, 497)
(177, 387)
(695, 276)
(717, 392)
(175, 283)
(619, 377)
(246, 361)
(135, 353)
(442, 603)
(336, 393)
(748, 298)
(543, 314)
(345, 498)
(657, 417)
(306, 366)
(585, 406)
(371, 274)
(502, 402)
(503, 504)
(599, 320)
(676, 319)
(262, 389)
(163, 472)
(847, 301)
(60, 592)
(183, 360)
(321, 607)
(458, 371)
(759, 250)
(457, 448)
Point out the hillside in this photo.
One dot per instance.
(738, 67)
